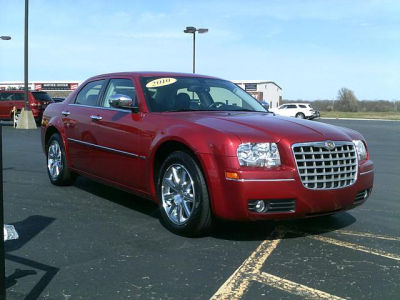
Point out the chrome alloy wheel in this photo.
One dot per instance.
(54, 160)
(178, 194)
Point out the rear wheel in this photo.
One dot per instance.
(57, 168)
(182, 195)
(300, 116)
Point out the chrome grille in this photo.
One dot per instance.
(322, 166)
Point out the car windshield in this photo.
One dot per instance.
(166, 94)
(42, 96)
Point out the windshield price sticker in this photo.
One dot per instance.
(160, 82)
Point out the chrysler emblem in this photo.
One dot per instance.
(329, 145)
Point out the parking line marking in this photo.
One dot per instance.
(239, 282)
(355, 247)
(368, 235)
(292, 287)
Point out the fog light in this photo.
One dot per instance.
(260, 206)
(366, 194)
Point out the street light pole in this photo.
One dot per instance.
(191, 29)
(2, 264)
(194, 52)
(26, 55)
(26, 119)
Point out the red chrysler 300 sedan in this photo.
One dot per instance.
(201, 147)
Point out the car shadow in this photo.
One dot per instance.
(261, 230)
(27, 230)
(117, 196)
(226, 230)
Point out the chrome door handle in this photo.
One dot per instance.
(65, 113)
(96, 118)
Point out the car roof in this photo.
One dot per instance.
(297, 103)
(153, 74)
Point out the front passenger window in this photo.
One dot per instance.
(90, 93)
(119, 86)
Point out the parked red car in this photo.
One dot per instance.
(201, 147)
(38, 101)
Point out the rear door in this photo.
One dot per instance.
(78, 124)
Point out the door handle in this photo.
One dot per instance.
(65, 113)
(96, 118)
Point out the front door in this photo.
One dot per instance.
(120, 139)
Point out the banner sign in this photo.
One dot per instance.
(56, 86)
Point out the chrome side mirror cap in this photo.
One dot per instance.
(123, 101)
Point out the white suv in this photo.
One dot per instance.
(298, 110)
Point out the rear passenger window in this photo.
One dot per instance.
(90, 93)
(302, 106)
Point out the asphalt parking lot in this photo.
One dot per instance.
(90, 241)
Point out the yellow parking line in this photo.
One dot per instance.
(355, 247)
(292, 287)
(368, 235)
(238, 283)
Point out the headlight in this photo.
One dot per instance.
(258, 155)
(361, 150)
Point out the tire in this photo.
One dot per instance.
(183, 196)
(300, 116)
(57, 168)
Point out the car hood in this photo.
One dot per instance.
(254, 127)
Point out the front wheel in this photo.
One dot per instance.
(57, 168)
(182, 195)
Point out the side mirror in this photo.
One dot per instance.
(123, 101)
(264, 104)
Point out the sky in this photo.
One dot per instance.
(309, 48)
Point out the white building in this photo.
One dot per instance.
(265, 90)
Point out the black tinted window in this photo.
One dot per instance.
(42, 96)
(291, 106)
(10, 96)
(302, 106)
(90, 93)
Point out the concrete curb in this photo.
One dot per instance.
(360, 119)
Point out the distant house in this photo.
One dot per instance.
(265, 90)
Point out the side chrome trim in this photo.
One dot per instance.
(367, 172)
(101, 107)
(107, 149)
(261, 180)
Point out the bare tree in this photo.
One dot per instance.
(347, 101)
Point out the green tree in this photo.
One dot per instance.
(347, 101)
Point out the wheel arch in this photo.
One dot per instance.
(162, 152)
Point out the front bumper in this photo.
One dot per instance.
(230, 198)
